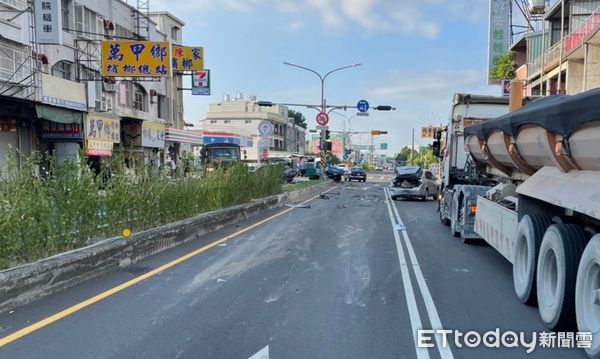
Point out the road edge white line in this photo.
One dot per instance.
(434, 318)
(409, 293)
(261, 354)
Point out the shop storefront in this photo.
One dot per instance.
(60, 118)
(60, 132)
(17, 135)
(101, 134)
(180, 143)
(144, 140)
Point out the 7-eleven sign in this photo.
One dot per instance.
(201, 82)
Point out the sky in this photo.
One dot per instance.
(414, 56)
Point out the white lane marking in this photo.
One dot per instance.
(261, 354)
(413, 310)
(434, 318)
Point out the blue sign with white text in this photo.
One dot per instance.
(362, 106)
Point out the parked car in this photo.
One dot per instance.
(357, 173)
(378, 168)
(413, 182)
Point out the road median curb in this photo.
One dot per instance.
(26, 283)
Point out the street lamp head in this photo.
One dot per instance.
(357, 64)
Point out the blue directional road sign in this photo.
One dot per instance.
(362, 106)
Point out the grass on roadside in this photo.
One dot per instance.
(48, 208)
(300, 185)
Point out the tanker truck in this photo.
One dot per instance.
(541, 207)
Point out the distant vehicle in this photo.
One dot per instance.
(335, 173)
(213, 155)
(378, 168)
(413, 182)
(313, 170)
(357, 173)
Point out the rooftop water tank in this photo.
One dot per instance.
(537, 6)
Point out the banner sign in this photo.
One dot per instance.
(103, 129)
(99, 148)
(499, 33)
(201, 83)
(337, 144)
(61, 131)
(186, 58)
(48, 21)
(136, 58)
(153, 135)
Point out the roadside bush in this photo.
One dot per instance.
(69, 206)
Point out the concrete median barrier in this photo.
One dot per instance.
(26, 283)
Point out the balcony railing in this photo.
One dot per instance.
(576, 37)
(571, 42)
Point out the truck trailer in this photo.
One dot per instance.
(535, 198)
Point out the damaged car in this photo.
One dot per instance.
(413, 182)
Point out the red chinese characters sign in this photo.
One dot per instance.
(61, 131)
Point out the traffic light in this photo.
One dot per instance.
(378, 133)
(384, 108)
(328, 146)
(327, 135)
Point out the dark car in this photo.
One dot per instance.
(334, 173)
(357, 173)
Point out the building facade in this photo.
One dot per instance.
(67, 105)
(564, 58)
(242, 116)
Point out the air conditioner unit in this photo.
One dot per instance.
(100, 106)
(109, 104)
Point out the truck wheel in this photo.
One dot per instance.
(456, 218)
(587, 295)
(445, 221)
(558, 260)
(526, 250)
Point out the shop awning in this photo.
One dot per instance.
(183, 136)
(59, 115)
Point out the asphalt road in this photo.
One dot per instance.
(349, 277)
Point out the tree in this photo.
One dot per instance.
(505, 68)
(299, 119)
(331, 158)
(423, 158)
(404, 154)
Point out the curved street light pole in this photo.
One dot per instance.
(322, 78)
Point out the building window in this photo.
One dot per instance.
(66, 14)
(248, 121)
(122, 32)
(11, 59)
(213, 121)
(226, 121)
(162, 102)
(174, 33)
(94, 86)
(62, 69)
(140, 98)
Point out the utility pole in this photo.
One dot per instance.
(323, 137)
(412, 149)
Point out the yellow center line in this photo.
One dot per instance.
(95, 299)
